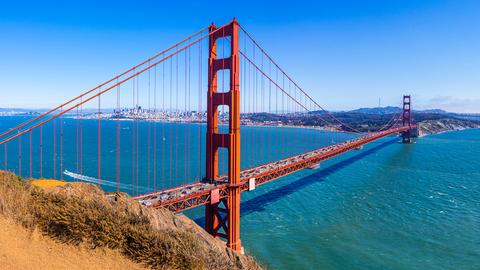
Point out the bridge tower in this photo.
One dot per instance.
(407, 119)
(224, 214)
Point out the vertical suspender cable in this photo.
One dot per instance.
(30, 152)
(20, 155)
(99, 141)
(55, 149)
(189, 117)
(117, 143)
(186, 126)
(284, 116)
(77, 141)
(133, 112)
(41, 153)
(199, 113)
(5, 157)
(164, 111)
(171, 123)
(177, 110)
(261, 143)
(270, 130)
(155, 130)
(61, 145)
(137, 137)
(148, 133)
(81, 138)
(254, 107)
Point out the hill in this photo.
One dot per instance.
(81, 218)
(369, 119)
(378, 110)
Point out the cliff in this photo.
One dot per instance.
(81, 218)
(443, 125)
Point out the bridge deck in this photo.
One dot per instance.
(199, 193)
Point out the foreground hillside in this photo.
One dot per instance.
(75, 226)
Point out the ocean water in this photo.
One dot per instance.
(175, 157)
(388, 206)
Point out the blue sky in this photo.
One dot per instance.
(347, 54)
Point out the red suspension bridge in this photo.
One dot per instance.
(144, 131)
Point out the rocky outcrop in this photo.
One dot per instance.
(443, 125)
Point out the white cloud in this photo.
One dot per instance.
(451, 104)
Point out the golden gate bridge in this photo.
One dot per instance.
(220, 76)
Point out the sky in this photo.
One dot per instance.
(346, 54)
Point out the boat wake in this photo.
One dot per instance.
(93, 180)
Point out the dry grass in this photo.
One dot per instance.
(80, 214)
(21, 248)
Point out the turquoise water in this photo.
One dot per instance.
(388, 206)
(179, 147)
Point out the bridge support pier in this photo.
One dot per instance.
(222, 218)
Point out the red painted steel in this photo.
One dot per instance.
(407, 119)
(162, 53)
(219, 193)
(199, 193)
(86, 100)
(215, 218)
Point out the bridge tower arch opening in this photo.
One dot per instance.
(222, 216)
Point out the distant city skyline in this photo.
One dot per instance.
(346, 55)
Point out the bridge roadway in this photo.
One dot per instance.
(199, 193)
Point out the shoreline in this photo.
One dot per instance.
(447, 131)
(205, 123)
(432, 127)
(426, 127)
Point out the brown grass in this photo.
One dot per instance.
(81, 214)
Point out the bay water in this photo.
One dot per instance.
(388, 206)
